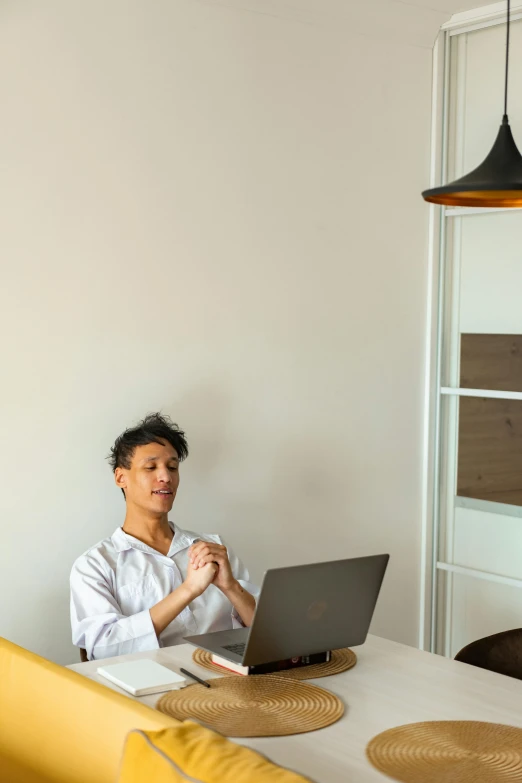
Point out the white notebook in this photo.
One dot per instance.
(141, 678)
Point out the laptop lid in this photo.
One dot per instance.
(307, 609)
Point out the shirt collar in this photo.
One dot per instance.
(182, 540)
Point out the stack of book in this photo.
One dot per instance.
(274, 666)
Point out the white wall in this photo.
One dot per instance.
(212, 211)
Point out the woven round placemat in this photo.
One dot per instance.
(449, 752)
(254, 706)
(341, 661)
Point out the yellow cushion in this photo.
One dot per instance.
(59, 726)
(189, 753)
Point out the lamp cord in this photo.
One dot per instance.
(507, 60)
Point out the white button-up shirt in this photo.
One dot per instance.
(114, 584)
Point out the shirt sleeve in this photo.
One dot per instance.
(97, 622)
(243, 577)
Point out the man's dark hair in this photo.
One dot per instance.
(153, 429)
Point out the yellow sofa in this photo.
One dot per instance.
(57, 726)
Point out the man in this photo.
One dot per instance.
(152, 583)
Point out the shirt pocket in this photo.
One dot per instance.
(137, 596)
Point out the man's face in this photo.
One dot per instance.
(152, 480)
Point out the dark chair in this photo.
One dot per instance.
(83, 655)
(500, 653)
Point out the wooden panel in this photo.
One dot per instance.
(490, 450)
(491, 361)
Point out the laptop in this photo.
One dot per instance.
(303, 610)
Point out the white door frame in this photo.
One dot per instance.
(434, 392)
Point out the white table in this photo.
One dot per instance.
(391, 685)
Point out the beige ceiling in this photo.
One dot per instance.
(448, 6)
(411, 22)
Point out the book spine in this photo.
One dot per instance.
(291, 663)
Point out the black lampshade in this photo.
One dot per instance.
(497, 182)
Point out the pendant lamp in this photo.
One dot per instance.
(497, 182)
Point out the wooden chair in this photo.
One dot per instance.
(83, 655)
(500, 653)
